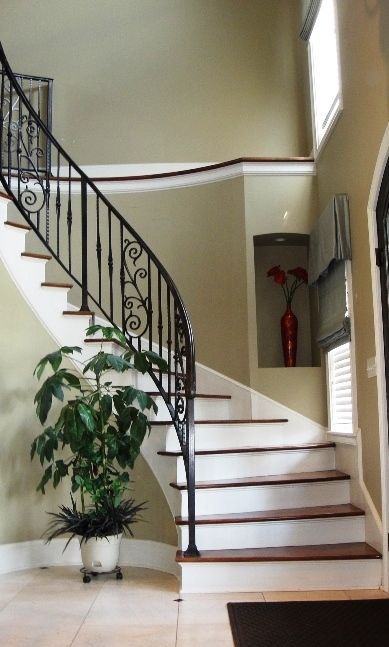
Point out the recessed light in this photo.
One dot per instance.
(279, 240)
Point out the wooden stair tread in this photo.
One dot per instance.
(273, 479)
(77, 313)
(18, 225)
(6, 196)
(102, 340)
(47, 284)
(357, 550)
(202, 396)
(258, 421)
(285, 514)
(248, 450)
(45, 257)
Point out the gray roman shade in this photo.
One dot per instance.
(329, 248)
(311, 10)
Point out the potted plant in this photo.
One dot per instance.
(94, 441)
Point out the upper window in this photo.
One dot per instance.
(324, 70)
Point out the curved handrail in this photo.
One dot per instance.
(104, 256)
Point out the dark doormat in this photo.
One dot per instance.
(345, 623)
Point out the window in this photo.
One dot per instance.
(324, 70)
(340, 389)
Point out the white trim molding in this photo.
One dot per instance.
(381, 163)
(38, 554)
(135, 178)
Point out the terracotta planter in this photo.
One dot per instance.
(289, 326)
(101, 554)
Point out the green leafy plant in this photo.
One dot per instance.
(98, 433)
(104, 521)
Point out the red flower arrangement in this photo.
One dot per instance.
(281, 278)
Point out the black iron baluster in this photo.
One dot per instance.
(149, 304)
(98, 245)
(38, 133)
(84, 245)
(49, 121)
(169, 343)
(9, 134)
(2, 118)
(69, 219)
(122, 277)
(18, 146)
(160, 322)
(110, 262)
(58, 203)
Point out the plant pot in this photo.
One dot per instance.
(101, 554)
(289, 326)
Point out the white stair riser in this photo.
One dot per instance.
(243, 435)
(205, 409)
(229, 466)
(280, 576)
(276, 533)
(267, 497)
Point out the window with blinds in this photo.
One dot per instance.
(340, 389)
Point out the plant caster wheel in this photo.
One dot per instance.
(119, 575)
(86, 579)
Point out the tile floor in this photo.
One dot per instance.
(46, 607)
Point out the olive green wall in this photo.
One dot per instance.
(346, 164)
(23, 511)
(203, 249)
(164, 80)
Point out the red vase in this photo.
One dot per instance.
(289, 325)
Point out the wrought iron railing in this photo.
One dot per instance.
(104, 256)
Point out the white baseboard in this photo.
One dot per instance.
(133, 552)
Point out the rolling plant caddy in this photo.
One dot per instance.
(94, 441)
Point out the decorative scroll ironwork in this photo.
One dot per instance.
(118, 272)
(136, 305)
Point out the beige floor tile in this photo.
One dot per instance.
(134, 635)
(22, 635)
(200, 635)
(284, 596)
(133, 608)
(211, 607)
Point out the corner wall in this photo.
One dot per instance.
(347, 164)
(23, 510)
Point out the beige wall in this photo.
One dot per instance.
(165, 80)
(23, 511)
(346, 165)
(283, 204)
(203, 249)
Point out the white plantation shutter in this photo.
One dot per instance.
(340, 388)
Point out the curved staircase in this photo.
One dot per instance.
(272, 510)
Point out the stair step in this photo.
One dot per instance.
(44, 257)
(258, 421)
(273, 479)
(5, 196)
(284, 514)
(354, 565)
(349, 551)
(246, 450)
(198, 396)
(17, 224)
(47, 284)
(77, 313)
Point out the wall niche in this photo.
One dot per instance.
(289, 251)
